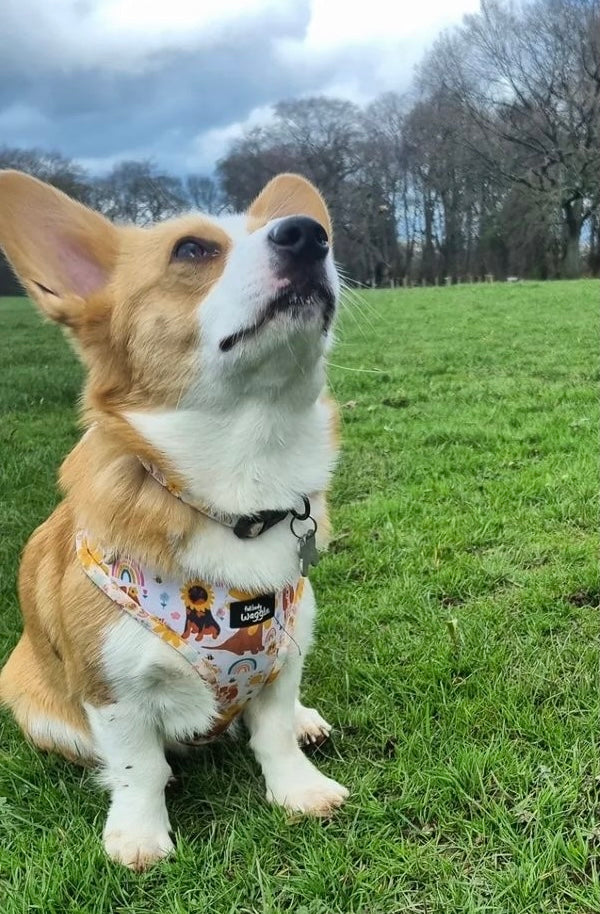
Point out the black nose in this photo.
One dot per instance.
(302, 238)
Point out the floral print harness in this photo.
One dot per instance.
(236, 641)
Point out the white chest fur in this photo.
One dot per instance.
(243, 461)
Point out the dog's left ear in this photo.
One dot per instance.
(288, 195)
(62, 252)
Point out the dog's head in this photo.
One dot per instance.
(195, 309)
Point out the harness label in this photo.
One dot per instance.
(255, 611)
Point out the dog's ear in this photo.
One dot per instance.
(288, 195)
(62, 252)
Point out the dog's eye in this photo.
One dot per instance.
(193, 249)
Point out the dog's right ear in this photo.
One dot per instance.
(62, 252)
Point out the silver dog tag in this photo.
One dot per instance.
(307, 550)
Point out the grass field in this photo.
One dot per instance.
(458, 636)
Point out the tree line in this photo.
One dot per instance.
(490, 164)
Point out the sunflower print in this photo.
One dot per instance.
(198, 595)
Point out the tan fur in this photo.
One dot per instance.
(286, 195)
(129, 311)
(46, 675)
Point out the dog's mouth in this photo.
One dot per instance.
(294, 301)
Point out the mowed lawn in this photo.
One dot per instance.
(458, 635)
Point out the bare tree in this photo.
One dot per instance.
(389, 212)
(529, 76)
(51, 167)
(138, 192)
(204, 194)
(251, 161)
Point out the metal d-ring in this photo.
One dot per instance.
(297, 515)
(305, 533)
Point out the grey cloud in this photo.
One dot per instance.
(156, 103)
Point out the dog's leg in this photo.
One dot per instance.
(136, 773)
(310, 727)
(291, 779)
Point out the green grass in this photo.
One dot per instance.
(457, 649)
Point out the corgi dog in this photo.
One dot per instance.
(167, 595)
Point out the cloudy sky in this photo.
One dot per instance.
(106, 80)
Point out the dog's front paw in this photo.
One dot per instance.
(311, 728)
(308, 792)
(137, 850)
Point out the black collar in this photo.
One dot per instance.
(244, 526)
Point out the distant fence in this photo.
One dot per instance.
(469, 279)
